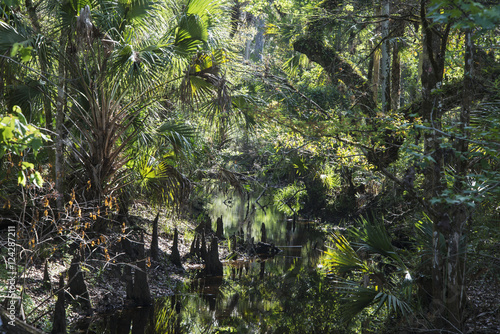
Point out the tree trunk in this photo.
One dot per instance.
(460, 215)
(60, 108)
(259, 40)
(435, 37)
(385, 67)
(395, 77)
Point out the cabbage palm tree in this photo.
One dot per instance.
(116, 62)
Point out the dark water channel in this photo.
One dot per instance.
(255, 296)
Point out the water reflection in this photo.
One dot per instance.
(279, 294)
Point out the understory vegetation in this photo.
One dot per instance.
(374, 126)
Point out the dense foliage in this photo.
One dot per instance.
(379, 116)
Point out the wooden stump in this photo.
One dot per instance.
(154, 250)
(175, 257)
(46, 277)
(77, 286)
(59, 320)
(263, 237)
(213, 266)
(203, 250)
(220, 228)
(129, 281)
(140, 292)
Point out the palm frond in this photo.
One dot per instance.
(28, 97)
(179, 135)
(356, 299)
(161, 182)
(11, 36)
(292, 65)
(376, 240)
(367, 286)
(424, 237)
(341, 258)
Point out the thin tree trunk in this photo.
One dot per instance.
(395, 77)
(60, 108)
(259, 39)
(376, 64)
(456, 251)
(386, 60)
(435, 38)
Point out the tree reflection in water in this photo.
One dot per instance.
(280, 294)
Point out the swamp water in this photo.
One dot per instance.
(280, 294)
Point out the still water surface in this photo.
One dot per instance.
(256, 296)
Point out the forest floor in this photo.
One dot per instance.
(107, 288)
(105, 281)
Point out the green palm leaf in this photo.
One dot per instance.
(180, 136)
(11, 36)
(161, 182)
(376, 240)
(341, 258)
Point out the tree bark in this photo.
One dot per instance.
(220, 228)
(259, 40)
(77, 286)
(435, 38)
(395, 77)
(385, 67)
(60, 109)
(213, 266)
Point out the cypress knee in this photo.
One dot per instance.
(46, 277)
(59, 321)
(77, 286)
(155, 252)
(175, 257)
(203, 250)
(140, 293)
(213, 266)
(220, 228)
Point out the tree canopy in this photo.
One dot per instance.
(380, 113)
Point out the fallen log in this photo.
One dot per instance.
(13, 325)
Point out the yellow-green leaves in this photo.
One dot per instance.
(16, 136)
